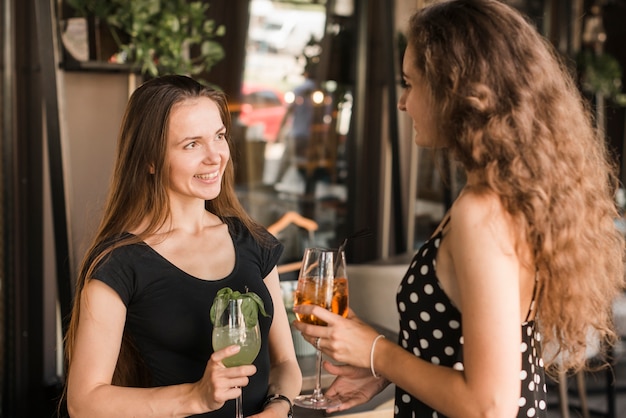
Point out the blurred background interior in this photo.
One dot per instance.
(313, 86)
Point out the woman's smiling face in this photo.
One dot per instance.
(197, 150)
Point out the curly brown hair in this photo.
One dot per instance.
(513, 116)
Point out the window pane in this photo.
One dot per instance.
(293, 122)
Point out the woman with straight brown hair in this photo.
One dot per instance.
(172, 235)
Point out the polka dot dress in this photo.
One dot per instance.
(430, 328)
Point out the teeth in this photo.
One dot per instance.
(206, 176)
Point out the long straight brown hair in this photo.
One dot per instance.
(138, 192)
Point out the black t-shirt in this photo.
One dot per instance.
(168, 310)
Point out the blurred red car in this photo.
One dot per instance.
(262, 108)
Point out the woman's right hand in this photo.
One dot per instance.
(345, 340)
(220, 383)
(353, 386)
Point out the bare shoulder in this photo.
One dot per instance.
(478, 205)
(480, 213)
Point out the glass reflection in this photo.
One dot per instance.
(294, 120)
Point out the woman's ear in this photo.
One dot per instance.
(151, 169)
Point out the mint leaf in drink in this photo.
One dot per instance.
(251, 305)
(223, 294)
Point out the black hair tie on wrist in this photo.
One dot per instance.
(279, 397)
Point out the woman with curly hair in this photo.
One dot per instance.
(527, 255)
(172, 236)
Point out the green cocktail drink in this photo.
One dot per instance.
(235, 322)
(249, 340)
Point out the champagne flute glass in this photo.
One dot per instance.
(339, 303)
(230, 328)
(322, 281)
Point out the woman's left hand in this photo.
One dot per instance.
(353, 386)
(345, 340)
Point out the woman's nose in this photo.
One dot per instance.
(402, 103)
(212, 154)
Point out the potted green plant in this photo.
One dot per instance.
(601, 74)
(158, 36)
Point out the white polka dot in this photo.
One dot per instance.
(396, 410)
(435, 415)
(445, 345)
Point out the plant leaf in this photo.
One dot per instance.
(251, 305)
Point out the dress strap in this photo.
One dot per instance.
(442, 225)
(533, 302)
(445, 221)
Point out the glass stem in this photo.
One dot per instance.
(239, 406)
(317, 392)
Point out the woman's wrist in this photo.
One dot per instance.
(372, 352)
(278, 398)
